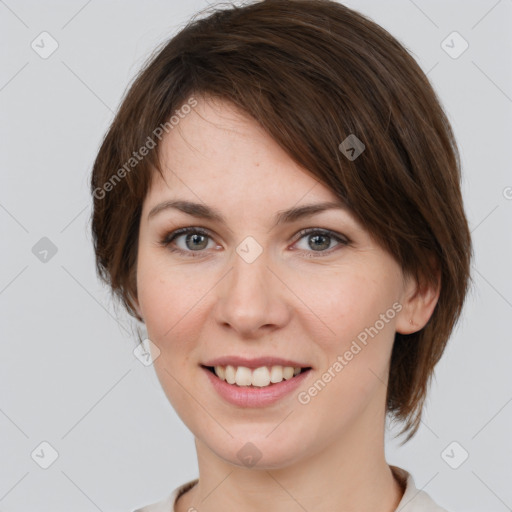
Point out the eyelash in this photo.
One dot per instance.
(170, 237)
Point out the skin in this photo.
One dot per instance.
(325, 455)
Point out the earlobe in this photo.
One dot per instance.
(420, 300)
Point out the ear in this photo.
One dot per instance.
(418, 303)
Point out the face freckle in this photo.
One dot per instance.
(281, 304)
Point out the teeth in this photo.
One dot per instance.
(259, 377)
(288, 372)
(276, 374)
(243, 376)
(230, 374)
(221, 372)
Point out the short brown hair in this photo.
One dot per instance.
(311, 72)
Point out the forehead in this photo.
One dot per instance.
(220, 155)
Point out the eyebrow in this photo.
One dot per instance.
(202, 211)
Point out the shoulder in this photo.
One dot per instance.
(167, 504)
(414, 500)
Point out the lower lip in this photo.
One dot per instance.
(249, 396)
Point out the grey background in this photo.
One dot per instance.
(68, 374)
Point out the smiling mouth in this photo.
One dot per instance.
(264, 376)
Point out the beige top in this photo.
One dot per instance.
(413, 500)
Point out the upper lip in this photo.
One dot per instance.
(256, 362)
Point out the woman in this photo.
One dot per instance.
(278, 201)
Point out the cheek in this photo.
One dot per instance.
(347, 303)
(172, 323)
(169, 303)
(357, 307)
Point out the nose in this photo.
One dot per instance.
(251, 299)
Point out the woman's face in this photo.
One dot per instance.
(328, 299)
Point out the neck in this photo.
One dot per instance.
(349, 474)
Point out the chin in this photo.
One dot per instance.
(254, 448)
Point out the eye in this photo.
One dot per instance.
(319, 240)
(194, 241)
